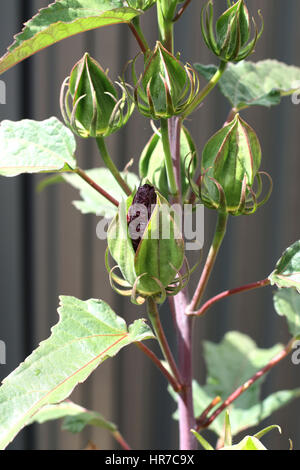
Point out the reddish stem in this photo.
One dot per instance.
(98, 188)
(181, 11)
(173, 382)
(138, 38)
(227, 293)
(120, 439)
(276, 359)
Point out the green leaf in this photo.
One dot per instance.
(206, 445)
(62, 19)
(287, 304)
(230, 364)
(76, 417)
(35, 146)
(287, 270)
(88, 333)
(92, 202)
(262, 83)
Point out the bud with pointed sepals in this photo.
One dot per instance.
(152, 163)
(95, 108)
(166, 87)
(230, 164)
(229, 39)
(147, 246)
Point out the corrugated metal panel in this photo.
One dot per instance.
(68, 259)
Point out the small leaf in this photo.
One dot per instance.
(87, 334)
(92, 202)
(206, 445)
(287, 304)
(262, 83)
(35, 146)
(287, 271)
(62, 19)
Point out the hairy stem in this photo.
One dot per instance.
(210, 261)
(111, 166)
(228, 293)
(176, 386)
(164, 127)
(204, 423)
(207, 89)
(158, 329)
(94, 185)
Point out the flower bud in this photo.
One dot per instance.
(166, 87)
(146, 244)
(230, 164)
(95, 108)
(229, 39)
(152, 163)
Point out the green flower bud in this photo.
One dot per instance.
(152, 163)
(230, 164)
(95, 108)
(166, 87)
(144, 240)
(229, 39)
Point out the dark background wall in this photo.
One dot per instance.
(47, 248)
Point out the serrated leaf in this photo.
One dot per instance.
(92, 202)
(35, 146)
(76, 417)
(287, 304)
(287, 271)
(62, 19)
(262, 83)
(230, 364)
(87, 334)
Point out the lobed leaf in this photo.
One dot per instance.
(263, 83)
(62, 19)
(287, 304)
(287, 270)
(88, 333)
(35, 146)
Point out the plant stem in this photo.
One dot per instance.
(120, 439)
(94, 185)
(210, 261)
(157, 326)
(111, 166)
(185, 399)
(227, 293)
(134, 25)
(176, 386)
(276, 359)
(207, 89)
(182, 10)
(164, 128)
